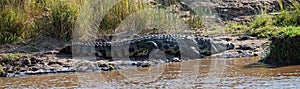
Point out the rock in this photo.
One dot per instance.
(255, 54)
(10, 71)
(23, 70)
(109, 67)
(175, 59)
(143, 64)
(67, 65)
(3, 74)
(33, 69)
(241, 38)
(52, 63)
(65, 70)
(226, 38)
(22, 62)
(243, 10)
(239, 51)
(244, 47)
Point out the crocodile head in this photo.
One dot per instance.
(208, 46)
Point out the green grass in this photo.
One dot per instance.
(236, 28)
(265, 32)
(195, 22)
(118, 13)
(23, 19)
(11, 25)
(1, 69)
(266, 25)
(11, 56)
(9, 59)
(289, 31)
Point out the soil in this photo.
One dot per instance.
(36, 44)
(245, 46)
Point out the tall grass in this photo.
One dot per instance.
(23, 19)
(12, 23)
(60, 19)
(290, 16)
(119, 12)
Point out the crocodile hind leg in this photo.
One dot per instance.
(142, 52)
(155, 53)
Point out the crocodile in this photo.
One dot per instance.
(171, 45)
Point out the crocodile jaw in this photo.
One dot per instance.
(221, 45)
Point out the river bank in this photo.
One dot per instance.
(205, 73)
(50, 62)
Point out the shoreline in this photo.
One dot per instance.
(50, 63)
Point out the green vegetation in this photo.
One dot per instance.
(23, 19)
(236, 28)
(284, 29)
(119, 12)
(1, 69)
(10, 57)
(195, 22)
(284, 50)
(266, 25)
(289, 31)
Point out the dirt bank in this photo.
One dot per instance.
(49, 62)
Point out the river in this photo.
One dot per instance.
(201, 73)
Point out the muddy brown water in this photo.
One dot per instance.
(201, 73)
